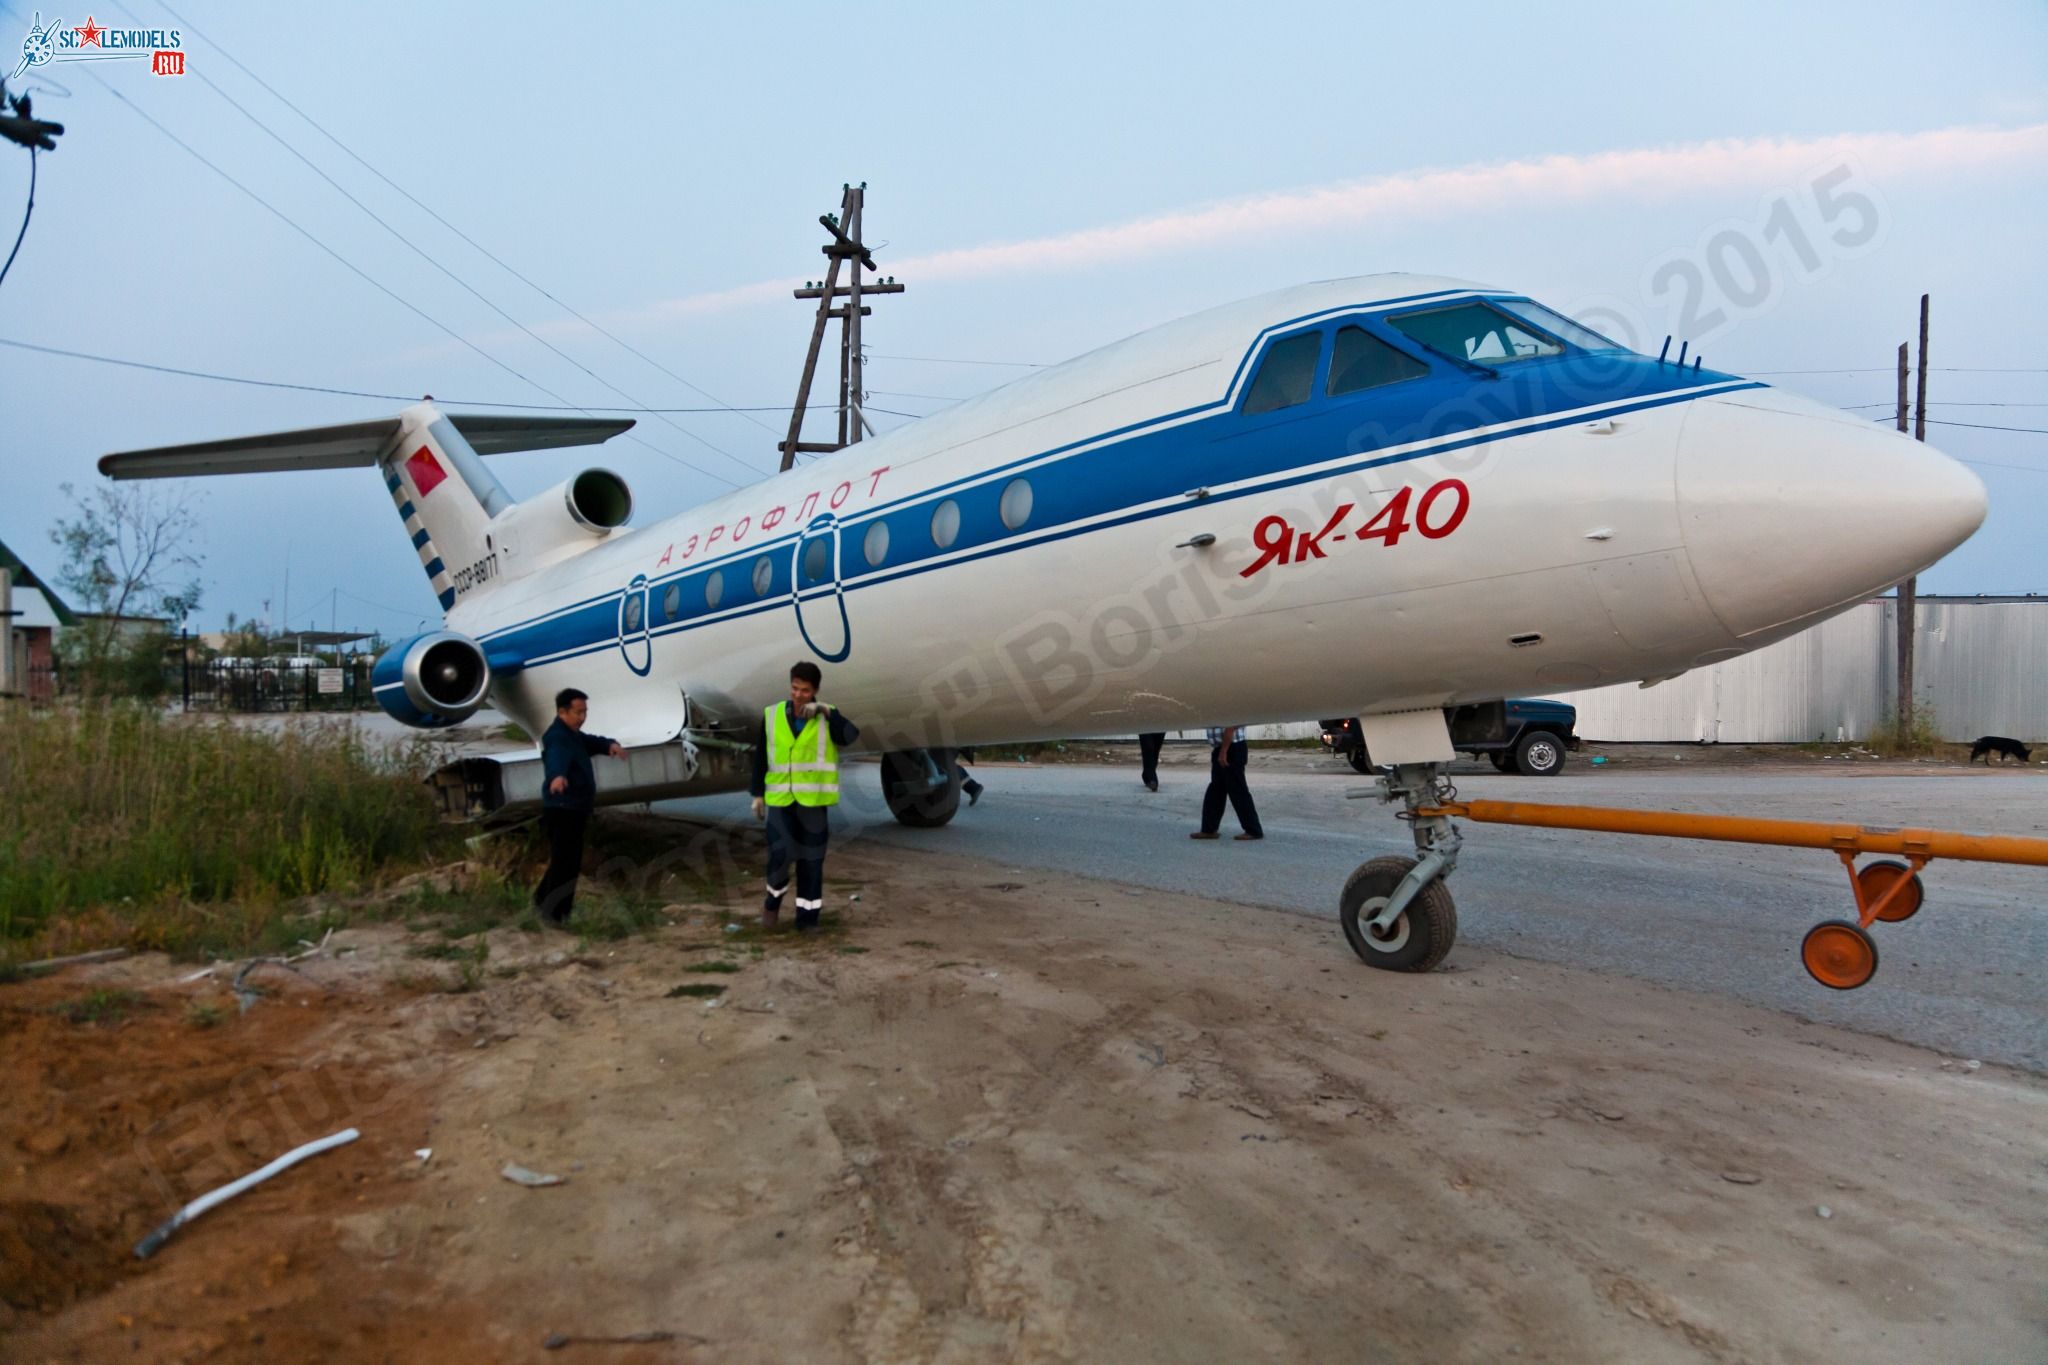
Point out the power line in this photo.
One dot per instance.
(954, 360)
(423, 255)
(1890, 369)
(478, 246)
(24, 216)
(1985, 426)
(344, 393)
(367, 278)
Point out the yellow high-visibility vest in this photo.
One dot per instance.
(803, 766)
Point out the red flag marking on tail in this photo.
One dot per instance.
(425, 470)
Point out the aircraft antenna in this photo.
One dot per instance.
(845, 248)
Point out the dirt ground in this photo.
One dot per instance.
(983, 1119)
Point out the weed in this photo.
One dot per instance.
(150, 821)
(720, 967)
(99, 1007)
(204, 1014)
(1921, 735)
(469, 971)
(695, 991)
(11, 972)
(919, 943)
(850, 949)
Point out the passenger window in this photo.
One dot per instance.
(1286, 374)
(817, 558)
(1361, 360)
(876, 543)
(1475, 332)
(714, 589)
(1015, 507)
(946, 524)
(764, 576)
(672, 601)
(633, 612)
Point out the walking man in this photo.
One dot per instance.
(568, 794)
(1228, 753)
(796, 781)
(1148, 754)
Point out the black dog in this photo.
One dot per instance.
(2003, 747)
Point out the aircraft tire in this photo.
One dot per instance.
(1361, 761)
(909, 799)
(1421, 936)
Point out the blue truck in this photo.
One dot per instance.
(1529, 736)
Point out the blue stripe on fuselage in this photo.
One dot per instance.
(1255, 454)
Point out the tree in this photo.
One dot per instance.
(128, 551)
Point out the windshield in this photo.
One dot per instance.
(1478, 333)
(1558, 325)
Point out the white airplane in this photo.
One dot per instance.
(1397, 497)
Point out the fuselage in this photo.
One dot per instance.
(1303, 504)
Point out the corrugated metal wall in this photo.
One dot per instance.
(1982, 665)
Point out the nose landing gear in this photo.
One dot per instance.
(1397, 913)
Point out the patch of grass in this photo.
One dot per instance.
(99, 1007)
(1921, 737)
(605, 918)
(717, 967)
(204, 1014)
(469, 971)
(142, 823)
(938, 965)
(695, 991)
(919, 943)
(850, 949)
(11, 972)
(438, 952)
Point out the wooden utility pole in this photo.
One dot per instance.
(1909, 590)
(844, 248)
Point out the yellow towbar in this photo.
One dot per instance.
(1837, 953)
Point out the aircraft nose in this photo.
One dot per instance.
(1789, 508)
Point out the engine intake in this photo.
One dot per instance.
(432, 681)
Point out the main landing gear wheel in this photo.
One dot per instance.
(1838, 954)
(1874, 880)
(1361, 761)
(1418, 939)
(921, 786)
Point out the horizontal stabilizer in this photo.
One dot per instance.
(349, 445)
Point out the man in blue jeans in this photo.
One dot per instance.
(1228, 753)
(568, 795)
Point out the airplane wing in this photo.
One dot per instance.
(349, 445)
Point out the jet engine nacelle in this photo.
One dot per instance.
(432, 681)
(565, 520)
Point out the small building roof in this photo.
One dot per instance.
(25, 578)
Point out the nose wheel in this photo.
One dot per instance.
(1413, 940)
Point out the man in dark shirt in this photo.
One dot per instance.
(568, 794)
(795, 784)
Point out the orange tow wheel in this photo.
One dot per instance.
(1876, 879)
(1839, 955)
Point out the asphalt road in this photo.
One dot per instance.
(1968, 975)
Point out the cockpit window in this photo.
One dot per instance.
(1476, 332)
(1286, 374)
(1558, 325)
(1362, 361)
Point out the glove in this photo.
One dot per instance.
(760, 809)
(814, 708)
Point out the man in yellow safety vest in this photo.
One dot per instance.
(796, 781)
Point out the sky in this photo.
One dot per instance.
(1775, 184)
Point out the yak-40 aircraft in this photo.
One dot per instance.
(1395, 497)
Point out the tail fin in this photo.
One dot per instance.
(430, 465)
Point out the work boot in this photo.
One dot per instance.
(770, 918)
(973, 790)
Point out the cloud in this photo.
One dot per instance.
(1633, 174)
